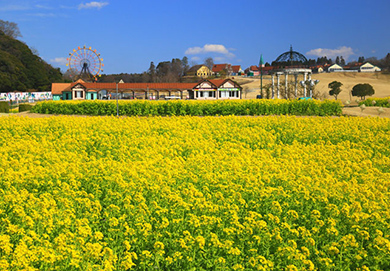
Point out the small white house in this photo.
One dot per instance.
(368, 67)
(335, 68)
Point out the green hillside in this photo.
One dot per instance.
(21, 70)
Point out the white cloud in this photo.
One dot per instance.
(14, 8)
(42, 15)
(209, 48)
(344, 51)
(219, 59)
(195, 58)
(43, 7)
(97, 5)
(59, 61)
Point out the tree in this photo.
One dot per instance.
(363, 90)
(152, 72)
(338, 60)
(184, 63)
(342, 61)
(209, 63)
(70, 75)
(361, 59)
(21, 70)
(10, 29)
(335, 87)
(387, 61)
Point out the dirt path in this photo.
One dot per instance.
(371, 111)
(349, 111)
(26, 114)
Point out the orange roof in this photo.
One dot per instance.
(111, 86)
(58, 88)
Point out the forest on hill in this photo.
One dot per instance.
(20, 68)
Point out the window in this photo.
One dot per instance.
(78, 94)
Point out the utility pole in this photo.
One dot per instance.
(261, 63)
(117, 107)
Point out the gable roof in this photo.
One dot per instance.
(58, 88)
(236, 68)
(254, 68)
(218, 82)
(195, 68)
(220, 67)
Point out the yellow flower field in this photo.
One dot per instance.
(194, 193)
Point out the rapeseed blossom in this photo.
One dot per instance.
(189, 193)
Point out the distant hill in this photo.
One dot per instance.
(21, 70)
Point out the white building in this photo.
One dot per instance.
(368, 67)
(335, 68)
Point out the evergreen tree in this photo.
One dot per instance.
(335, 87)
(152, 72)
(342, 61)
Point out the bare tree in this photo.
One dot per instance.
(10, 29)
(209, 63)
(70, 75)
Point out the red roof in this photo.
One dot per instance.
(220, 67)
(269, 68)
(217, 82)
(236, 68)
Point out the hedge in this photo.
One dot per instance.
(382, 102)
(4, 107)
(192, 108)
(25, 107)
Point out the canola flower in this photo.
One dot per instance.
(194, 193)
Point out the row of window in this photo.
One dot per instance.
(78, 95)
(222, 94)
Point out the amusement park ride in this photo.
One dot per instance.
(85, 63)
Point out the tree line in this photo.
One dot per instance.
(165, 71)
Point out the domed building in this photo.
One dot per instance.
(290, 58)
(291, 63)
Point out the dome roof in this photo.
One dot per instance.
(291, 57)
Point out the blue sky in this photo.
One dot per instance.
(130, 34)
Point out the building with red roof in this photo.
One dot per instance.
(81, 90)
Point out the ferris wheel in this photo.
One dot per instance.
(85, 63)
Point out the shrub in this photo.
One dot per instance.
(381, 102)
(4, 107)
(25, 107)
(192, 108)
